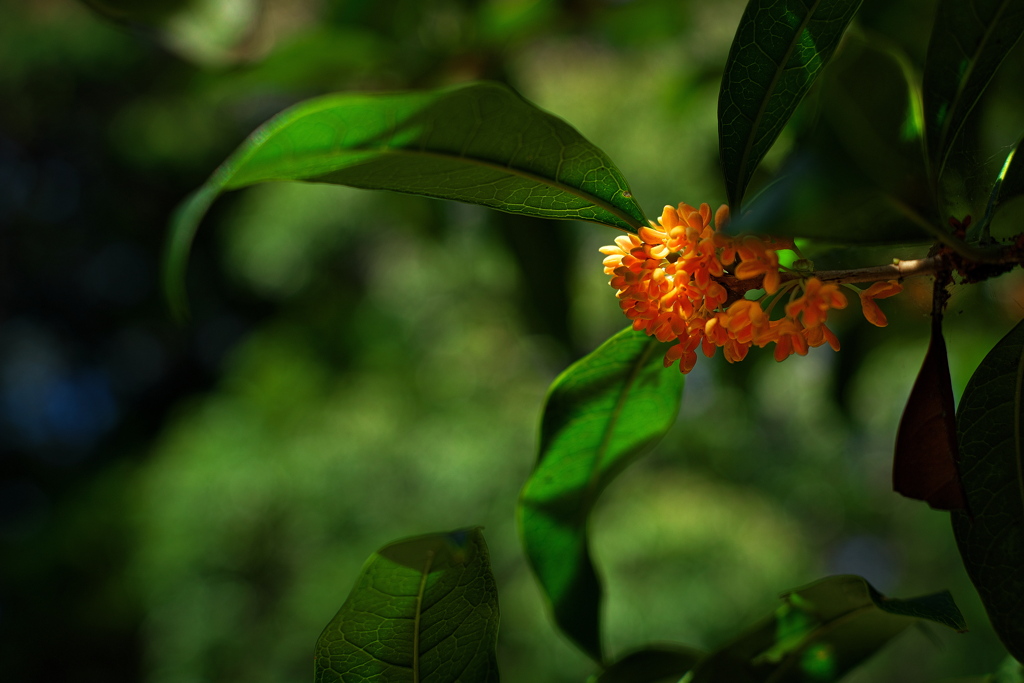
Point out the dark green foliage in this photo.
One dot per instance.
(991, 540)
(655, 664)
(821, 631)
(424, 609)
(779, 50)
(970, 39)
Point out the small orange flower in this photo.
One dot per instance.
(756, 259)
(676, 281)
(790, 339)
(879, 290)
(815, 302)
(819, 335)
(746, 320)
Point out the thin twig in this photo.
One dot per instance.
(893, 271)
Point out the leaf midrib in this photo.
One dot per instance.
(606, 436)
(473, 161)
(421, 591)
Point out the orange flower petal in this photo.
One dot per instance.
(872, 312)
(722, 217)
(882, 290)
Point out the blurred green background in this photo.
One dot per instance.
(192, 503)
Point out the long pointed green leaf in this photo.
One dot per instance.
(991, 543)
(479, 143)
(779, 49)
(969, 41)
(821, 631)
(602, 413)
(423, 610)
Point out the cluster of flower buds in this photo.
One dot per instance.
(683, 279)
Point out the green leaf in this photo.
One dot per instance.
(779, 49)
(969, 41)
(871, 105)
(423, 610)
(812, 200)
(654, 664)
(989, 421)
(1011, 176)
(822, 631)
(1009, 184)
(478, 143)
(602, 413)
(1011, 671)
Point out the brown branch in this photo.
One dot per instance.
(894, 271)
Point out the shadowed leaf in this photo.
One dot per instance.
(925, 463)
(653, 664)
(991, 543)
(779, 49)
(821, 632)
(858, 175)
(815, 199)
(481, 144)
(970, 39)
(424, 610)
(602, 413)
(1011, 671)
(871, 101)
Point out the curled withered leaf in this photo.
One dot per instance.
(925, 462)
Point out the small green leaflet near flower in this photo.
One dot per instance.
(479, 143)
(990, 419)
(602, 413)
(423, 610)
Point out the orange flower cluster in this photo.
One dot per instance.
(673, 281)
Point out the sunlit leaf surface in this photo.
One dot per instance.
(822, 631)
(970, 39)
(989, 422)
(1008, 185)
(424, 610)
(1010, 182)
(779, 49)
(601, 414)
(480, 143)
